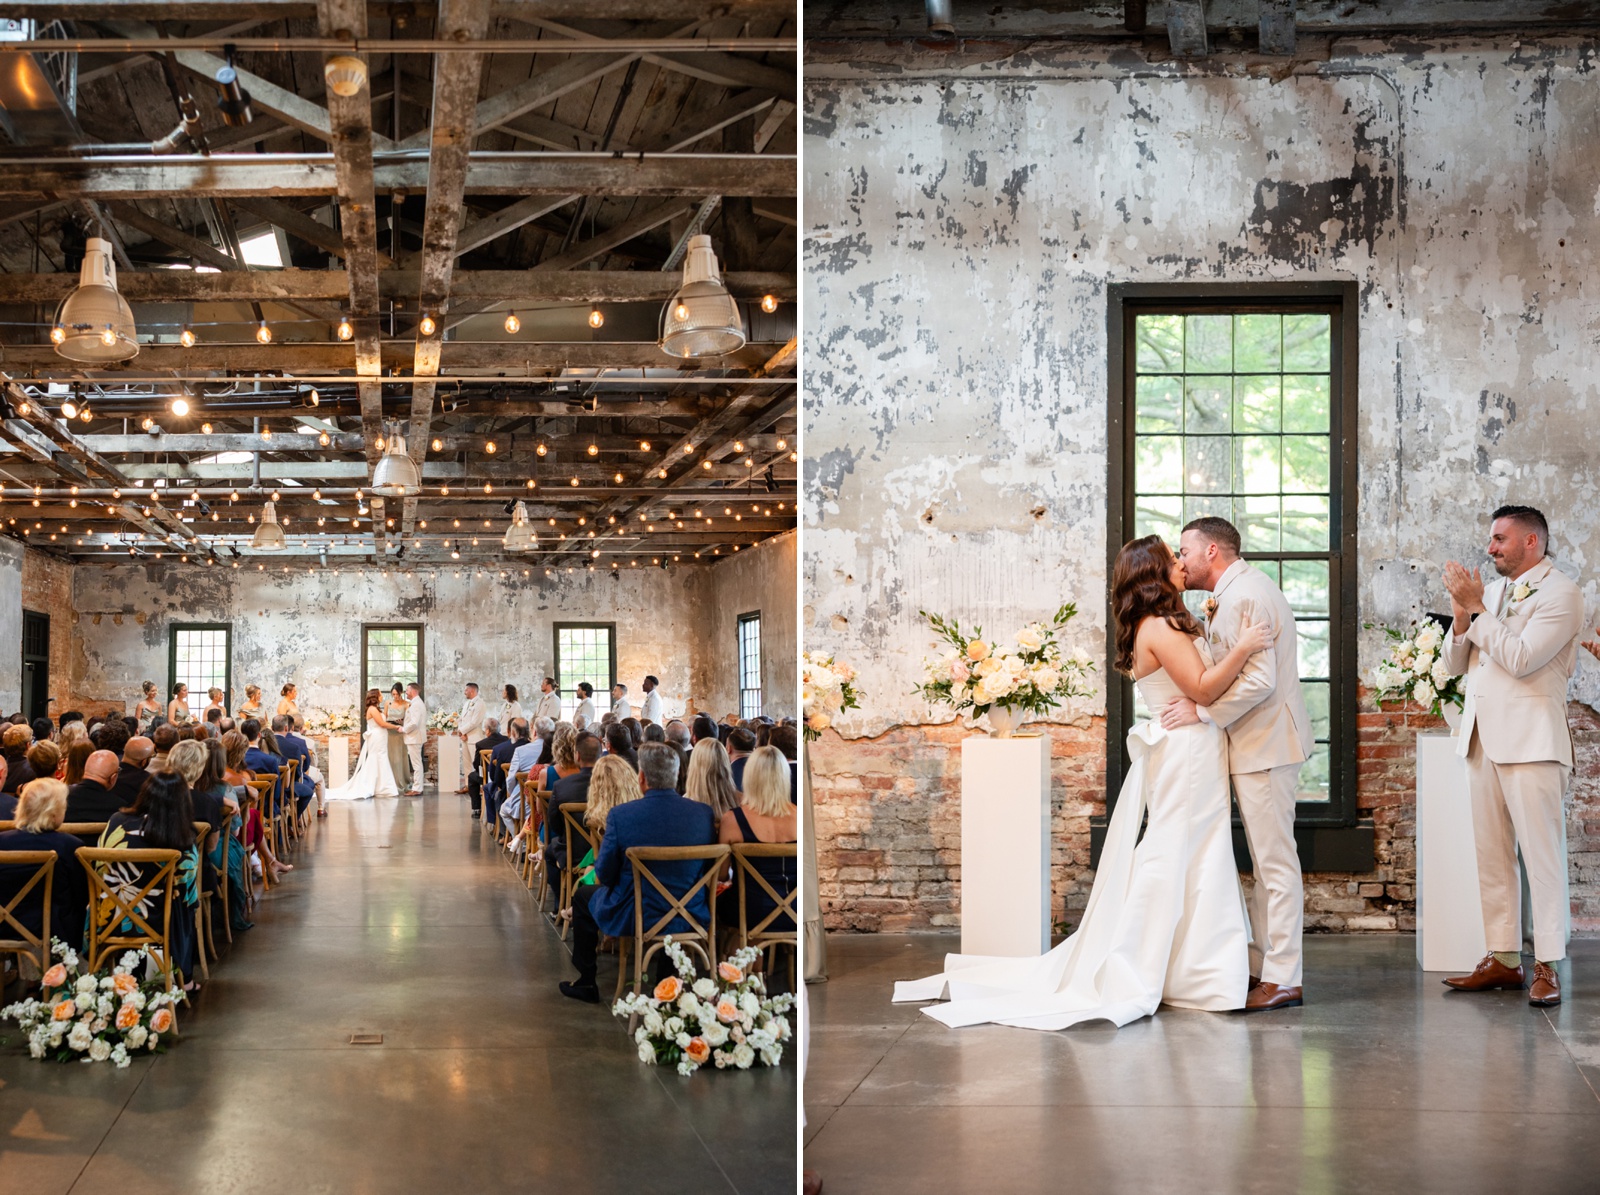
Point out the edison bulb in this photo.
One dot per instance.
(596, 318)
(58, 334)
(345, 330)
(109, 336)
(180, 406)
(513, 324)
(769, 303)
(186, 337)
(541, 449)
(427, 327)
(264, 333)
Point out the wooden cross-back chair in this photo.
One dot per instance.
(15, 937)
(205, 941)
(110, 910)
(288, 774)
(503, 833)
(573, 831)
(763, 935)
(262, 789)
(700, 937)
(483, 767)
(529, 828)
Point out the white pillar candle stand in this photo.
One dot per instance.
(1005, 846)
(1449, 911)
(449, 761)
(338, 761)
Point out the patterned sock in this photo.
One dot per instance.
(1509, 958)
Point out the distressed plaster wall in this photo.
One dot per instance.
(11, 555)
(761, 580)
(47, 589)
(962, 226)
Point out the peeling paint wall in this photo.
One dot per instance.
(47, 589)
(761, 580)
(962, 227)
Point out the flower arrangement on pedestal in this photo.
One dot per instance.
(726, 1021)
(86, 1016)
(827, 690)
(1413, 670)
(444, 720)
(332, 721)
(1029, 676)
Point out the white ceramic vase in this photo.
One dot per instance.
(1004, 720)
(1452, 716)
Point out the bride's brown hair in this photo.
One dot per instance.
(373, 698)
(1142, 588)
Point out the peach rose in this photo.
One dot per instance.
(124, 984)
(977, 650)
(727, 1010)
(730, 973)
(698, 1051)
(55, 976)
(162, 1021)
(127, 1017)
(64, 1011)
(669, 988)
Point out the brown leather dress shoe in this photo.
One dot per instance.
(1265, 996)
(1490, 975)
(1255, 982)
(1546, 988)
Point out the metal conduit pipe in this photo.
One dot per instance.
(941, 17)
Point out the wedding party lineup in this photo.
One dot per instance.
(764, 596)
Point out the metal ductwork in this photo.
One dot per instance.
(38, 89)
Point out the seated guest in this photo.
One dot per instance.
(44, 730)
(44, 761)
(8, 801)
(189, 759)
(492, 738)
(165, 738)
(678, 738)
(620, 743)
(654, 733)
(741, 741)
(711, 779)
(40, 811)
(569, 790)
(225, 724)
(257, 758)
(524, 755)
(563, 756)
(308, 768)
(495, 794)
(77, 755)
(252, 829)
(162, 818)
(68, 718)
(786, 740)
(635, 731)
(289, 748)
(703, 727)
(94, 798)
(611, 784)
(765, 816)
(659, 818)
(14, 748)
(214, 720)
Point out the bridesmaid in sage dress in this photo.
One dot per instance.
(394, 713)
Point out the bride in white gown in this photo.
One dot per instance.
(1166, 919)
(373, 776)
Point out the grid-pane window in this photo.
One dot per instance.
(585, 652)
(199, 659)
(1233, 417)
(750, 665)
(390, 654)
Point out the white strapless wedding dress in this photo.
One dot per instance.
(373, 776)
(1166, 919)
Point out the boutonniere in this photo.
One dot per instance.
(1210, 608)
(1520, 593)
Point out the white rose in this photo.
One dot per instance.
(1428, 637)
(772, 1055)
(682, 1041)
(674, 1026)
(80, 1037)
(99, 1049)
(1422, 693)
(706, 989)
(136, 1036)
(987, 667)
(137, 999)
(1029, 639)
(105, 1006)
(1441, 675)
(1047, 679)
(750, 1005)
(647, 1052)
(119, 1055)
(1422, 664)
(743, 1056)
(87, 984)
(108, 983)
(652, 1023)
(716, 1033)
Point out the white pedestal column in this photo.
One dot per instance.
(1005, 846)
(338, 761)
(1449, 910)
(449, 762)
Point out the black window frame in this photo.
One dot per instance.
(422, 655)
(744, 620)
(1331, 835)
(172, 661)
(603, 702)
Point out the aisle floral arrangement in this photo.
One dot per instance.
(827, 690)
(1030, 673)
(443, 720)
(1413, 670)
(332, 721)
(726, 1021)
(88, 1017)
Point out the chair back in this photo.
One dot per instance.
(745, 873)
(115, 922)
(15, 937)
(575, 830)
(699, 936)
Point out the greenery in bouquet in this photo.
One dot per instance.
(444, 720)
(1413, 670)
(1030, 673)
(726, 1020)
(81, 1015)
(827, 690)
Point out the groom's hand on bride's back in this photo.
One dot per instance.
(1180, 711)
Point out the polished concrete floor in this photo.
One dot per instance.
(401, 919)
(1383, 1082)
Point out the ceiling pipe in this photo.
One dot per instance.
(941, 17)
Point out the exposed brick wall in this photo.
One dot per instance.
(47, 589)
(888, 817)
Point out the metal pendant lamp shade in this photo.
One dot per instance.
(701, 320)
(96, 314)
(396, 475)
(268, 536)
(519, 536)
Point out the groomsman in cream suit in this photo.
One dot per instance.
(1269, 737)
(549, 702)
(469, 729)
(414, 730)
(1517, 643)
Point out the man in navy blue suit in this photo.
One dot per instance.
(294, 748)
(659, 818)
(262, 763)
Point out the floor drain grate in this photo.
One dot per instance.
(366, 1039)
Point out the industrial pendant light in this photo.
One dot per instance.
(396, 474)
(519, 536)
(268, 536)
(95, 323)
(701, 319)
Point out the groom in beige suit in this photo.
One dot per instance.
(1269, 737)
(1517, 643)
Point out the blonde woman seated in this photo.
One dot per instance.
(40, 810)
(711, 779)
(611, 784)
(766, 816)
